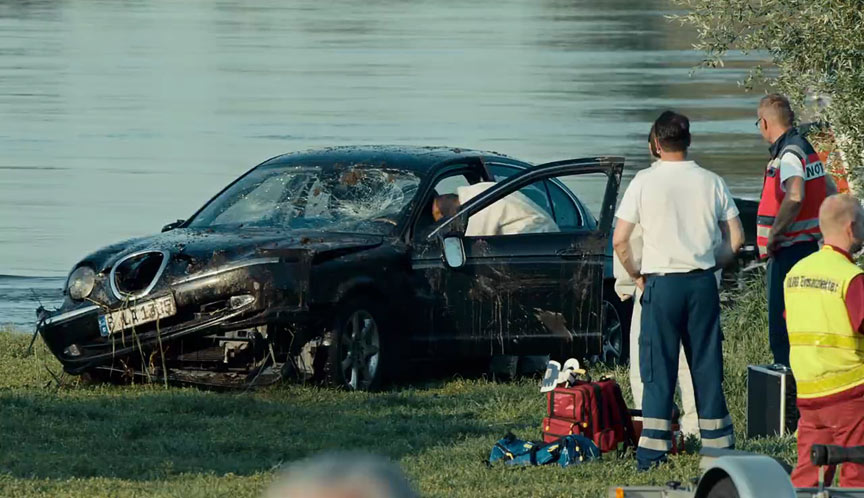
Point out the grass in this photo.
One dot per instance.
(81, 441)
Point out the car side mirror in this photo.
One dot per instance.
(454, 252)
(173, 225)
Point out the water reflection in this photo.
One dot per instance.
(120, 117)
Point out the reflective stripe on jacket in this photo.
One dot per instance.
(827, 354)
(806, 226)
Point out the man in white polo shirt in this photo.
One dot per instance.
(689, 225)
(625, 287)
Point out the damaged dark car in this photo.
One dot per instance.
(328, 264)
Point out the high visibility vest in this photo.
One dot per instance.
(806, 226)
(827, 354)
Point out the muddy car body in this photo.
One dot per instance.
(328, 263)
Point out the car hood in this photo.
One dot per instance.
(201, 249)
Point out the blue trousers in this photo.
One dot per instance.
(775, 274)
(681, 310)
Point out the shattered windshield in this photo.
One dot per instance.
(358, 199)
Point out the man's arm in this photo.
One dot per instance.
(855, 303)
(789, 209)
(733, 239)
(621, 243)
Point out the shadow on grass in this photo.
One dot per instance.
(145, 435)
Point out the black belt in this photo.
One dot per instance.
(690, 273)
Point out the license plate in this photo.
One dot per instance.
(137, 314)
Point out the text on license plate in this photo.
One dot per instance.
(137, 314)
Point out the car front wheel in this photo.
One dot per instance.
(357, 351)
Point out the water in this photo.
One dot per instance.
(118, 117)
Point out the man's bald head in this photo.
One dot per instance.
(837, 212)
(841, 221)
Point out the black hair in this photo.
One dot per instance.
(672, 131)
(448, 204)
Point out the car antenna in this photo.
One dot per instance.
(36, 297)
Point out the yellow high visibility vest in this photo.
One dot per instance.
(827, 355)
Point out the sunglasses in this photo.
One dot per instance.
(756, 124)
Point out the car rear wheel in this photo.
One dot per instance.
(357, 353)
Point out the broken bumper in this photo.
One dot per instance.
(202, 308)
(75, 340)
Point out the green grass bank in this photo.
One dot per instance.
(84, 441)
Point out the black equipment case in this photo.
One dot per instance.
(771, 401)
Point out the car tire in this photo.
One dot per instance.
(615, 318)
(359, 355)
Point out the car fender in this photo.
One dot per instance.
(755, 476)
(359, 283)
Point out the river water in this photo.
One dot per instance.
(118, 117)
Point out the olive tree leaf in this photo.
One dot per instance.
(815, 47)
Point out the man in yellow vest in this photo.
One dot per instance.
(825, 317)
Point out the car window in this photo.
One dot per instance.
(536, 191)
(449, 185)
(589, 189)
(260, 201)
(566, 212)
(358, 199)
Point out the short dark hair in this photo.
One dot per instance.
(672, 131)
(776, 107)
(448, 204)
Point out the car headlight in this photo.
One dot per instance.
(81, 282)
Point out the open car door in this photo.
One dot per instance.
(530, 293)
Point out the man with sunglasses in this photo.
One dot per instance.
(787, 223)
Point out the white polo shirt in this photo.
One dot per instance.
(679, 206)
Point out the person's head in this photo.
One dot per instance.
(445, 206)
(671, 133)
(775, 117)
(342, 475)
(841, 220)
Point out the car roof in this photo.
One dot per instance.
(416, 159)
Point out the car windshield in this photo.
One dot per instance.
(358, 199)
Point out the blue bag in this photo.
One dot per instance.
(569, 450)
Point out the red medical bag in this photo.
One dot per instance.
(593, 409)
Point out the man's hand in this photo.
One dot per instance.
(733, 238)
(773, 240)
(769, 246)
(640, 282)
(621, 243)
